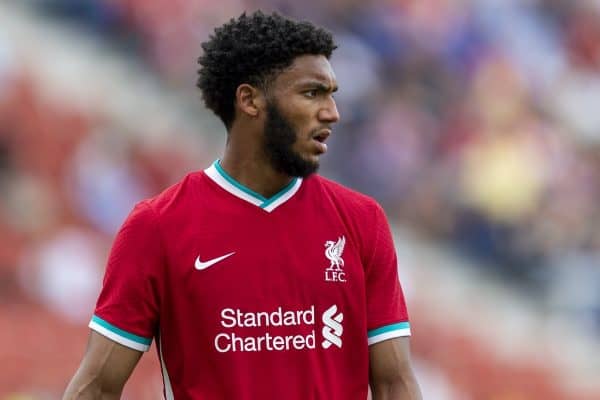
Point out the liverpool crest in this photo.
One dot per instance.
(333, 252)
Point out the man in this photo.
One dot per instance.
(257, 278)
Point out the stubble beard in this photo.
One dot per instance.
(279, 139)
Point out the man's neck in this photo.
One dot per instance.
(254, 172)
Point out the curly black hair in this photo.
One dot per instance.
(252, 49)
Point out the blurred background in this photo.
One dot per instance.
(476, 124)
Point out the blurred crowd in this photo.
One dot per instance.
(475, 123)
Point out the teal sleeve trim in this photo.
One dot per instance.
(121, 332)
(388, 328)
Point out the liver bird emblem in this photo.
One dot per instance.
(334, 252)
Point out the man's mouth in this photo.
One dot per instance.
(319, 138)
(322, 135)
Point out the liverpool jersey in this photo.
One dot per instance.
(250, 297)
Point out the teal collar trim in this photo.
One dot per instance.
(235, 183)
(223, 179)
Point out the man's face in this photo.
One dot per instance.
(300, 113)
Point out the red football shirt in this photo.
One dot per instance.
(255, 298)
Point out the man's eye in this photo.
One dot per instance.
(311, 93)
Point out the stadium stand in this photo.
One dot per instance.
(483, 147)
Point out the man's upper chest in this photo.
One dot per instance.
(249, 255)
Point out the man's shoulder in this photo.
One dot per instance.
(342, 194)
(176, 195)
(358, 211)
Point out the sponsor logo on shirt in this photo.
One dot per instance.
(333, 252)
(333, 329)
(260, 338)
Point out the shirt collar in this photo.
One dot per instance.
(224, 180)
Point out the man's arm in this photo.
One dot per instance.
(104, 370)
(391, 375)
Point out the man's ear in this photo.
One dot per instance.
(250, 100)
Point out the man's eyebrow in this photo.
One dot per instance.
(318, 85)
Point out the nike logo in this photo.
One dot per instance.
(200, 265)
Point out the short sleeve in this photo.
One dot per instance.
(387, 316)
(127, 308)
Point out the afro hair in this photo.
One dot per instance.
(252, 49)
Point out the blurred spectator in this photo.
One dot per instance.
(102, 180)
(64, 272)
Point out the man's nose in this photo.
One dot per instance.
(329, 112)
